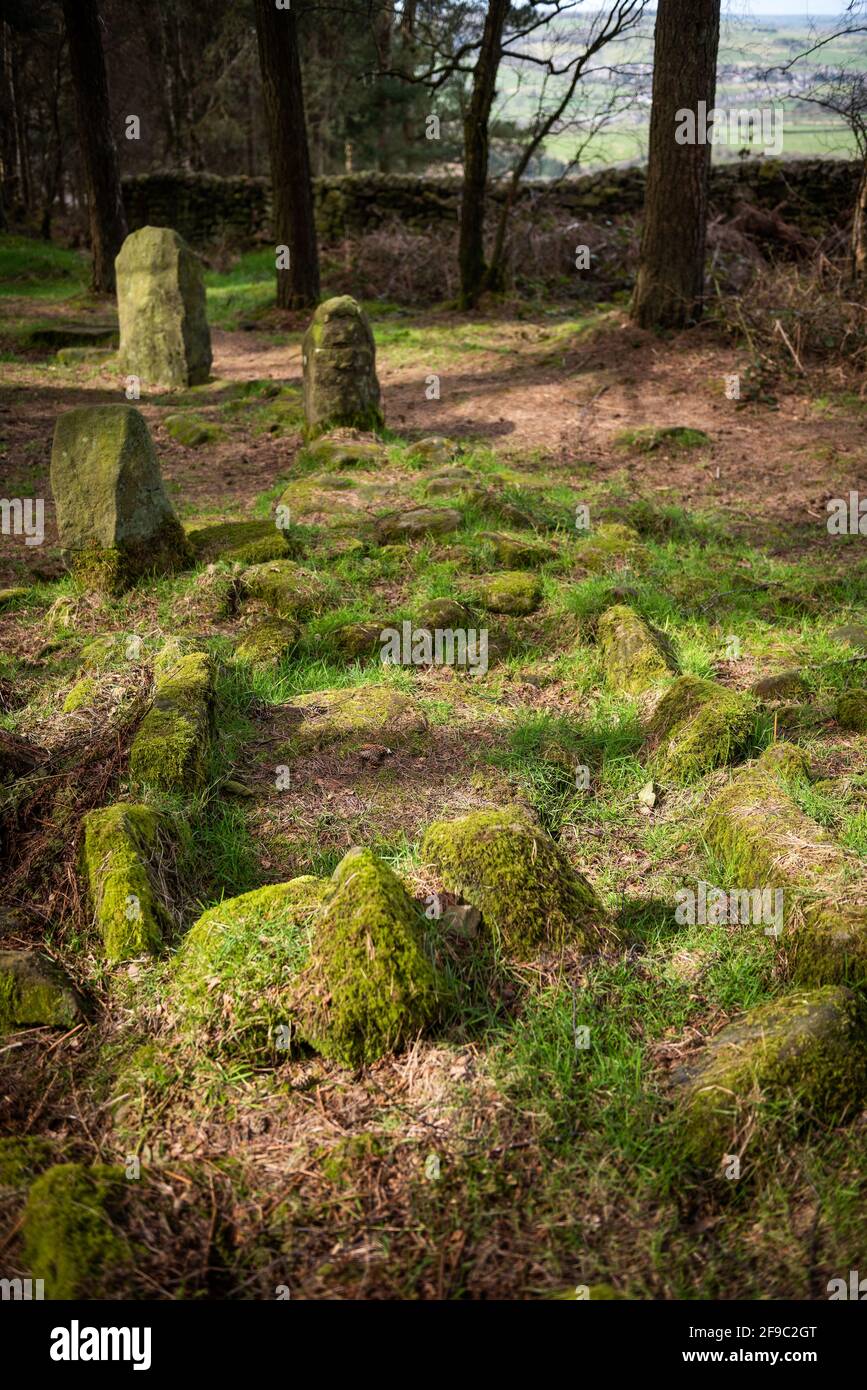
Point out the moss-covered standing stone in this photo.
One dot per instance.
(35, 990)
(115, 520)
(369, 988)
(71, 1238)
(520, 880)
(800, 1057)
(634, 654)
(119, 843)
(338, 355)
(164, 335)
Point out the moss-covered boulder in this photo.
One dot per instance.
(697, 726)
(170, 748)
(347, 449)
(338, 356)
(248, 542)
(416, 523)
(331, 500)
(190, 429)
(35, 990)
(799, 1058)
(369, 988)
(520, 880)
(434, 450)
(635, 656)
(71, 1231)
(354, 641)
(519, 552)
(231, 977)
(516, 592)
(289, 590)
(610, 549)
(115, 519)
(764, 840)
(164, 335)
(851, 711)
(444, 613)
(268, 642)
(781, 685)
(352, 717)
(120, 844)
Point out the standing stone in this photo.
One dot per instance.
(339, 359)
(164, 335)
(115, 521)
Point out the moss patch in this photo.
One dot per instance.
(516, 592)
(70, 1239)
(119, 843)
(284, 587)
(266, 643)
(524, 886)
(611, 548)
(190, 430)
(35, 990)
(851, 711)
(21, 1160)
(169, 750)
(369, 988)
(231, 975)
(80, 694)
(698, 726)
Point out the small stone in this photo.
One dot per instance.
(268, 642)
(851, 711)
(785, 685)
(516, 552)
(416, 523)
(190, 430)
(347, 449)
(515, 592)
(462, 919)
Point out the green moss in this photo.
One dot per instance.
(698, 726)
(21, 1160)
(369, 988)
(342, 450)
(35, 990)
(610, 548)
(851, 711)
(11, 598)
(231, 975)
(99, 652)
(238, 540)
(354, 716)
(672, 438)
(70, 1237)
(284, 587)
(416, 523)
(787, 761)
(798, 1058)
(169, 750)
(119, 843)
(634, 654)
(80, 694)
(763, 838)
(516, 592)
(267, 642)
(520, 880)
(357, 640)
(191, 430)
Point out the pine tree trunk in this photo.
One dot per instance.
(471, 253)
(291, 187)
(98, 152)
(670, 286)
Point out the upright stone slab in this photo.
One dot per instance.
(164, 335)
(115, 521)
(339, 360)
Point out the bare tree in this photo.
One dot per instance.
(670, 287)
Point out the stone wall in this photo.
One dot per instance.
(203, 207)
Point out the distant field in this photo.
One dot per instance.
(748, 52)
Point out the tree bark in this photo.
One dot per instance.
(98, 152)
(670, 286)
(291, 186)
(859, 232)
(471, 253)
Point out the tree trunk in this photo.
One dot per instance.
(98, 152)
(291, 186)
(670, 286)
(471, 252)
(859, 232)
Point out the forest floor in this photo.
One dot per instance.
(492, 1158)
